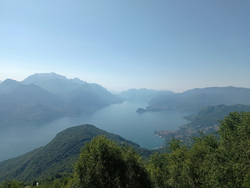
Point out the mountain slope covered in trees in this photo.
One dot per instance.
(57, 156)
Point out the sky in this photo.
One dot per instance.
(121, 44)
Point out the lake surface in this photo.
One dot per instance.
(120, 119)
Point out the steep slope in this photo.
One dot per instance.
(44, 97)
(8, 86)
(88, 97)
(210, 115)
(80, 97)
(54, 83)
(26, 103)
(57, 156)
(196, 99)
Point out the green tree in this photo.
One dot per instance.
(170, 170)
(232, 160)
(158, 166)
(200, 159)
(11, 184)
(209, 162)
(178, 167)
(103, 163)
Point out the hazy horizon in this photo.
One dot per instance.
(118, 91)
(164, 45)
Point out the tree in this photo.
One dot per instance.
(232, 160)
(103, 163)
(170, 170)
(209, 162)
(158, 166)
(201, 156)
(11, 184)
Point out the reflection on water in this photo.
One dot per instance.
(120, 119)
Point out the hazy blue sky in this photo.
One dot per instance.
(121, 44)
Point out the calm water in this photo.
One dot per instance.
(120, 119)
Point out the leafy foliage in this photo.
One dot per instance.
(11, 184)
(103, 164)
(209, 162)
(232, 159)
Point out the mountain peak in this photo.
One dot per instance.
(8, 85)
(43, 77)
(9, 81)
(53, 82)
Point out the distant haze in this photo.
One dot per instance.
(163, 45)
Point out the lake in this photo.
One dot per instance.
(120, 119)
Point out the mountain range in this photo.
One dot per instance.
(46, 96)
(58, 156)
(196, 99)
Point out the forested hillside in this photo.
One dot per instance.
(58, 156)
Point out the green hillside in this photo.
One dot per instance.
(206, 121)
(211, 115)
(57, 156)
